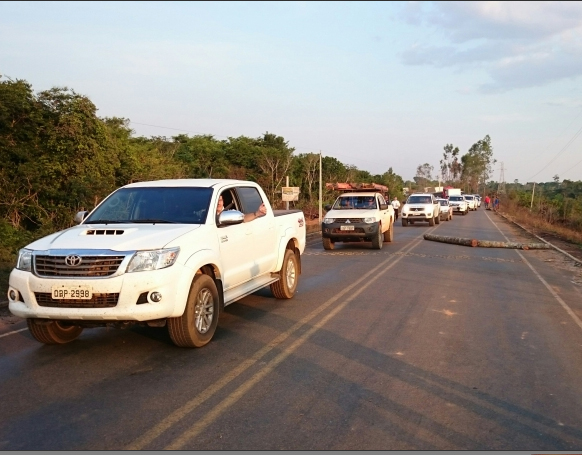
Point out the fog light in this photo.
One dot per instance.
(13, 295)
(155, 297)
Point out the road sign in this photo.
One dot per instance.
(290, 193)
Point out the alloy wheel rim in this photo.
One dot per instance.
(204, 311)
(291, 274)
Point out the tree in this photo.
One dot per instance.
(423, 174)
(450, 165)
(477, 164)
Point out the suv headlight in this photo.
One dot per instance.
(153, 260)
(328, 220)
(24, 261)
(370, 219)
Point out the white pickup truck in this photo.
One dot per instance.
(358, 217)
(158, 253)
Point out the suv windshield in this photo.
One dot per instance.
(187, 205)
(355, 202)
(456, 198)
(443, 202)
(419, 200)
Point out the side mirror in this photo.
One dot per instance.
(383, 206)
(230, 217)
(327, 207)
(80, 216)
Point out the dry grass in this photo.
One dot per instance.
(537, 224)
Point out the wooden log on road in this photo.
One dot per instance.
(485, 243)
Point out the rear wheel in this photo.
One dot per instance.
(328, 243)
(389, 234)
(287, 285)
(53, 332)
(377, 239)
(197, 325)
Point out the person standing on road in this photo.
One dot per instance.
(487, 201)
(396, 206)
(496, 203)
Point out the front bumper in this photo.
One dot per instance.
(422, 216)
(360, 231)
(172, 282)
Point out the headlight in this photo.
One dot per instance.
(370, 219)
(328, 220)
(24, 260)
(153, 260)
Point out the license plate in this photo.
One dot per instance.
(72, 292)
(346, 228)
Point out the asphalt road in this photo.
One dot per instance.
(421, 345)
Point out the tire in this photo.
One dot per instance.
(55, 332)
(431, 222)
(404, 222)
(328, 243)
(287, 285)
(465, 212)
(378, 239)
(437, 219)
(196, 327)
(389, 234)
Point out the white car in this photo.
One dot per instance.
(358, 217)
(459, 204)
(421, 207)
(166, 253)
(446, 211)
(471, 202)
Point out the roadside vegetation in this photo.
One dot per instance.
(59, 157)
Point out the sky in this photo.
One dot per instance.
(376, 85)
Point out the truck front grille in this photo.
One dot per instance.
(348, 220)
(90, 266)
(45, 299)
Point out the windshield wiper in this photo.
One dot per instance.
(107, 221)
(153, 220)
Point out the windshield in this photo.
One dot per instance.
(470, 198)
(456, 198)
(419, 200)
(443, 202)
(185, 205)
(355, 202)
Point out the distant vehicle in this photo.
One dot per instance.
(358, 217)
(421, 207)
(471, 201)
(453, 192)
(459, 204)
(446, 211)
(478, 199)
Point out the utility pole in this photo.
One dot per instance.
(320, 192)
(532, 196)
(501, 187)
(287, 185)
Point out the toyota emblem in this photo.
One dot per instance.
(73, 260)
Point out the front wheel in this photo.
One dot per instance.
(404, 222)
(431, 222)
(377, 240)
(287, 285)
(389, 234)
(196, 327)
(328, 243)
(437, 219)
(53, 332)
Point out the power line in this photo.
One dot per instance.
(560, 152)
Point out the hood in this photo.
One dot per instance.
(418, 206)
(352, 213)
(117, 237)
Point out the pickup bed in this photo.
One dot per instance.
(158, 253)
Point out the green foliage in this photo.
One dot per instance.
(59, 157)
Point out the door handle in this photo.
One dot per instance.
(224, 238)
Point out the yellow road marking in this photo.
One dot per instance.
(181, 412)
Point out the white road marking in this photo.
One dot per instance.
(545, 283)
(13, 332)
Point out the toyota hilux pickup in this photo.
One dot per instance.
(459, 204)
(358, 217)
(164, 253)
(421, 207)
